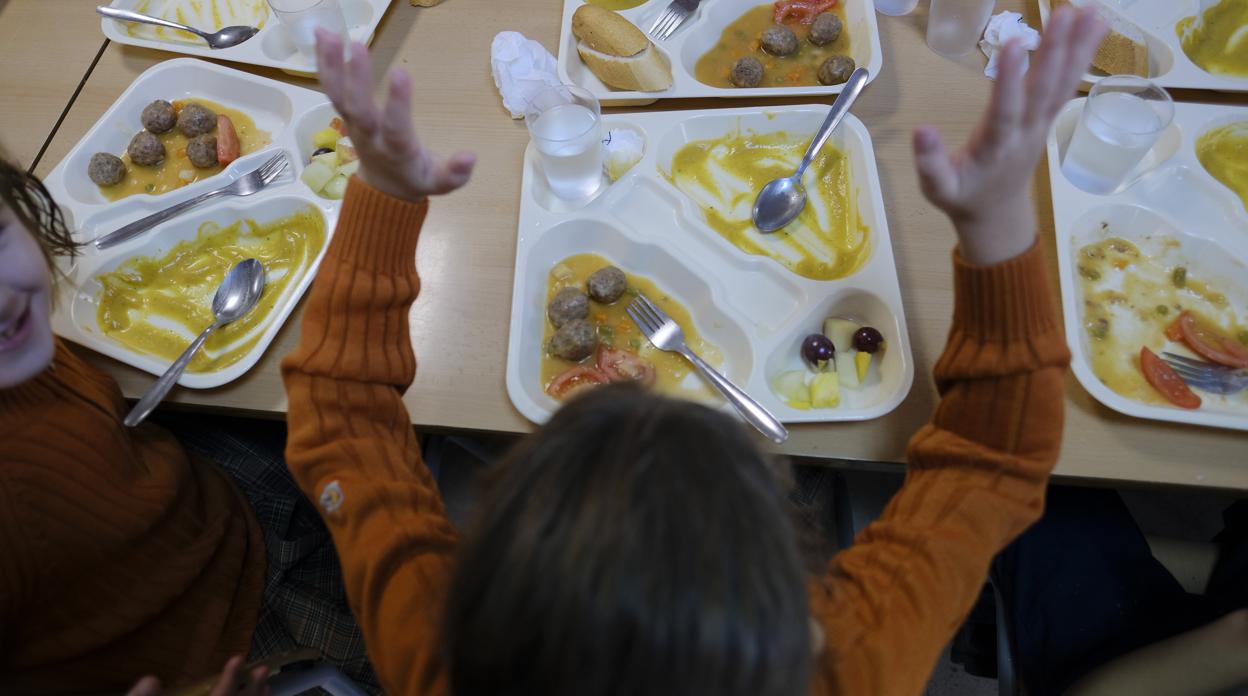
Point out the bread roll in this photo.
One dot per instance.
(617, 52)
(607, 32)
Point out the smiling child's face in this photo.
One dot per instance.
(26, 342)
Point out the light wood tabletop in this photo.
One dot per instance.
(466, 257)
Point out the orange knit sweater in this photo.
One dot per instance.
(888, 605)
(121, 556)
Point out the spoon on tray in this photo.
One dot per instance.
(225, 38)
(782, 200)
(235, 297)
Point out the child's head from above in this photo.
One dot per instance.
(32, 231)
(634, 545)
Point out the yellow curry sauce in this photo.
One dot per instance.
(827, 241)
(1129, 298)
(176, 171)
(741, 38)
(1224, 154)
(617, 330)
(617, 4)
(206, 15)
(156, 305)
(1217, 40)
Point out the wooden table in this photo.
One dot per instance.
(459, 324)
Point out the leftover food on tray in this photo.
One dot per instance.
(206, 15)
(1217, 39)
(1124, 50)
(332, 163)
(617, 52)
(829, 240)
(157, 305)
(1133, 301)
(1223, 152)
(617, 4)
(181, 142)
(791, 43)
(623, 148)
(839, 358)
(590, 339)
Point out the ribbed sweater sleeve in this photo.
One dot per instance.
(15, 566)
(351, 446)
(976, 479)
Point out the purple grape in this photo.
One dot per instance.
(868, 340)
(818, 351)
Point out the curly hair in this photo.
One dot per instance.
(30, 201)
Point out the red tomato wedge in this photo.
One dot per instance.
(1174, 331)
(623, 366)
(228, 148)
(1211, 343)
(804, 11)
(1165, 380)
(576, 379)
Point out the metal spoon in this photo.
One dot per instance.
(782, 200)
(236, 296)
(227, 37)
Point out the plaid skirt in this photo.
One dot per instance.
(305, 602)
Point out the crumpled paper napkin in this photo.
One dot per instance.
(1001, 29)
(522, 67)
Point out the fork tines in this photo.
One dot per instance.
(671, 18)
(1207, 376)
(274, 167)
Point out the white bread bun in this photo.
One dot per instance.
(617, 52)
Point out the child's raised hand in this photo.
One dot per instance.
(235, 680)
(983, 188)
(391, 157)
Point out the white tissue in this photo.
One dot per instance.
(622, 150)
(521, 67)
(1001, 29)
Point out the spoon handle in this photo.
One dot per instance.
(129, 16)
(840, 107)
(161, 388)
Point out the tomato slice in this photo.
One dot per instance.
(623, 366)
(1174, 331)
(1210, 343)
(228, 148)
(1165, 380)
(576, 379)
(804, 10)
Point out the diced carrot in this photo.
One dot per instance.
(228, 147)
(337, 124)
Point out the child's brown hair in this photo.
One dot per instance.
(30, 201)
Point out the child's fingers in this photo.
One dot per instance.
(1086, 36)
(1006, 110)
(258, 682)
(453, 172)
(231, 677)
(147, 686)
(329, 65)
(359, 89)
(396, 125)
(1045, 76)
(937, 176)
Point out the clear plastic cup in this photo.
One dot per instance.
(565, 123)
(301, 19)
(1122, 119)
(895, 8)
(954, 26)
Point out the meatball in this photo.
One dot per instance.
(748, 72)
(105, 169)
(146, 149)
(574, 340)
(202, 151)
(607, 284)
(836, 70)
(567, 305)
(158, 117)
(779, 41)
(196, 120)
(826, 29)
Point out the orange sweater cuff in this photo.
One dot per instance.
(377, 231)
(1005, 302)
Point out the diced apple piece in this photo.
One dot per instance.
(316, 175)
(841, 331)
(349, 168)
(791, 387)
(336, 189)
(326, 137)
(825, 391)
(346, 151)
(863, 362)
(330, 159)
(845, 370)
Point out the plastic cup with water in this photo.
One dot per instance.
(895, 8)
(954, 26)
(565, 123)
(1122, 119)
(301, 19)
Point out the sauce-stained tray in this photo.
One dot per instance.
(1169, 66)
(1178, 216)
(289, 114)
(271, 47)
(755, 310)
(699, 34)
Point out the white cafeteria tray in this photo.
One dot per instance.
(1170, 193)
(1169, 66)
(752, 308)
(698, 34)
(270, 47)
(289, 114)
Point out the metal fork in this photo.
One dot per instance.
(245, 185)
(1208, 376)
(667, 335)
(670, 19)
